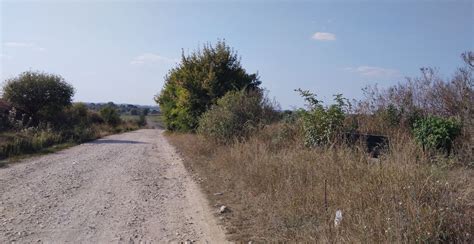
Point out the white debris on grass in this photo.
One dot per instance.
(338, 218)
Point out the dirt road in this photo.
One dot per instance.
(126, 188)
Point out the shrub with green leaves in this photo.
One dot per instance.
(78, 114)
(198, 82)
(236, 115)
(436, 133)
(321, 124)
(29, 141)
(40, 95)
(390, 115)
(4, 111)
(141, 120)
(3, 122)
(110, 115)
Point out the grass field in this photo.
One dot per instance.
(278, 190)
(128, 117)
(155, 120)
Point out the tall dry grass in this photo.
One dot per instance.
(279, 190)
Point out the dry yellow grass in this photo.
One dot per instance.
(280, 191)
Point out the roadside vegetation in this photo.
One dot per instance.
(37, 115)
(283, 175)
(196, 83)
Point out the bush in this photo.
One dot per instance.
(4, 123)
(4, 111)
(78, 114)
(322, 124)
(134, 111)
(110, 115)
(30, 141)
(390, 115)
(42, 96)
(141, 120)
(82, 134)
(236, 115)
(437, 133)
(17, 120)
(198, 82)
(95, 118)
(79, 123)
(428, 94)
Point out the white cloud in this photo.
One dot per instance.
(19, 44)
(29, 45)
(150, 58)
(323, 36)
(374, 72)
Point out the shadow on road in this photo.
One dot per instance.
(110, 141)
(3, 164)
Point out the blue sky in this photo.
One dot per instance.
(121, 50)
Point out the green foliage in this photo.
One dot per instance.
(41, 95)
(95, 118)
(236, 115)
(3, 122)
(198, 82)
(134, 112)
(390, 115)
(82, 134)
(30, 141)
(79, 123)
(413, 116)
(4, 111)
(110, 115)
(437, 133)
(321, 124)
(78, 114)
(141, 120)
(37, 113)
(17, 120)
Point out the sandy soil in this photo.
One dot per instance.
(126, 188)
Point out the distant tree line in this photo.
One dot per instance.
(129, 109)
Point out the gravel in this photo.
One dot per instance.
(126, 188)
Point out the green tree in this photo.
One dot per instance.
(390, 115)
(78, 114)
(134, 111)
(110, 115)
(41, 95)
(321, 123)
(141, 120)
(198, 82)
(4, 112)
(145, 111)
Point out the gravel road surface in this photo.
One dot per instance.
(126, 188)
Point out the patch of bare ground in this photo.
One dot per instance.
(277, 190)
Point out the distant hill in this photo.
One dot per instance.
(132, 109)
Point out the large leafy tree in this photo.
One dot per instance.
(41, 95)
(198, 81)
